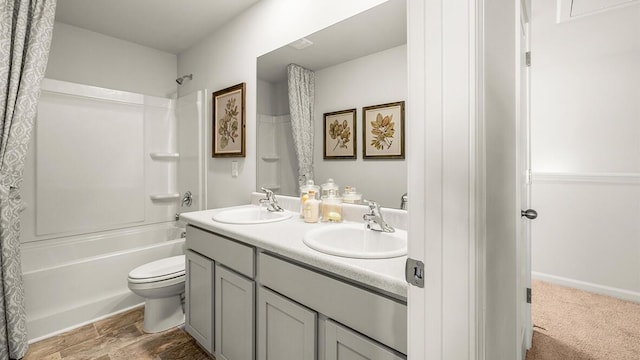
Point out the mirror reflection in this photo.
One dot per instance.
(359, 62)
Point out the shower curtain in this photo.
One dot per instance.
(25, 36)
(301, 83)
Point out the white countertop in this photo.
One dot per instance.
(285, 239)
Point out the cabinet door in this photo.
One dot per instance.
(286, 329)
(199, 299)
(235, 315)
(344, 344)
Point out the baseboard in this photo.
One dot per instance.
(587, 286)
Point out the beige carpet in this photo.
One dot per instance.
(572, 324)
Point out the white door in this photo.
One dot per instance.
(524, 168)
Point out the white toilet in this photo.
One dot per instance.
(161, 283)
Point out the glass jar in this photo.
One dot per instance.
(350, 196)
(329, 186)
(304, 193)
(331, 207)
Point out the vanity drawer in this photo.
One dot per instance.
(374, 315)
(232, 254)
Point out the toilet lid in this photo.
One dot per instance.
(168, 266)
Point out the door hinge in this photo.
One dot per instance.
(414, 272)
(527, 58)
(528, 295)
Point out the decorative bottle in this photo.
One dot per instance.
(311, 208)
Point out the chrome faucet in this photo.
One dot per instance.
(187, 199)
(271, 201)
(374, 220)
(403, 201)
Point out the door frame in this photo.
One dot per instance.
(447, 180)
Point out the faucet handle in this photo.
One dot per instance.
(268, 192)
(373, 206)
(187, 199)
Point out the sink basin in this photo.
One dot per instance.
(354, 241)
(250, 215)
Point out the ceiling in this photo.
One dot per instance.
(168, 25)
(377, 29)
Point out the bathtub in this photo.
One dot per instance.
(73, 281)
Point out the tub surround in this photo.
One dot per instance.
(284, 238)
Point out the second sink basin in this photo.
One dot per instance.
(353, 240)
(250, 215)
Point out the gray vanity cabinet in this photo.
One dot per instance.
(220, 294)
(286, 329)
(243, 303)
(234, 315)
(199, 298)
(342, 343)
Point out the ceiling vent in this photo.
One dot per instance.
(301, 44)
(572, 9)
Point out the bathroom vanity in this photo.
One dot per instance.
(258, 292)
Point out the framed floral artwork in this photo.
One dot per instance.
(383, 131)
(339, 134)
(229, 122)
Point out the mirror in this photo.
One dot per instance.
(359, 62)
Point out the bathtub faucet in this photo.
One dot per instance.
(187, 199)
(271, 201)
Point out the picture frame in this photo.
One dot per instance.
(228, 127)
(340, 135)
(383, 131)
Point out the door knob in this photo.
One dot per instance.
(529, 214)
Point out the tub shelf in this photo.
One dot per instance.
(164, 156)
(164, 197)
(270, 158)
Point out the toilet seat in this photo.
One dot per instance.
(156, 284)
(159, 270)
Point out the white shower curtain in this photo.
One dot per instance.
(26, 28)
(301, 96)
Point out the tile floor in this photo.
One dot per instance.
(117, 338)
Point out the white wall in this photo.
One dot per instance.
(228, 57)
(89, 58)
(370, 80)
(586, 149)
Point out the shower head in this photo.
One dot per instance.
(181, 79)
